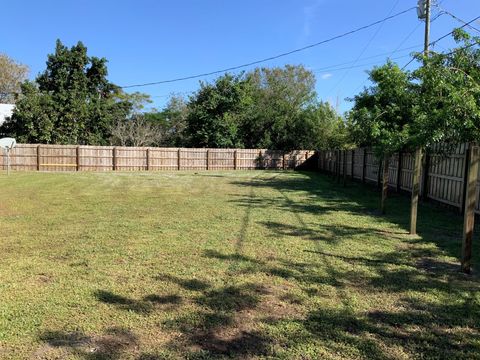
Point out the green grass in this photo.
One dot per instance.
(207, 265)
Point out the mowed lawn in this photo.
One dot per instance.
(259, 264)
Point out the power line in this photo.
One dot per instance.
(364, 49)
(366, 58)
(333, 67)
(396, 50)
(406, 38)
(356, 66)
(443, 37)
(451, 32)
(456, 18)
(272, 57)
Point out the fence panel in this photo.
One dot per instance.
(23, 157)
(106, 158)
(393, 171)
(95, 158)
(445, 174)
(358, 164)
(372, 165)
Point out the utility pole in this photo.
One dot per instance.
(427, 26)
(423, 12)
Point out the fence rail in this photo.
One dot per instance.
(443, 176)
(42, 157)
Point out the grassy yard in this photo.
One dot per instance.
(227, 264)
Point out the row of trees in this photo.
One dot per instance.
(72, 102)
(439, 103)
(436, 107)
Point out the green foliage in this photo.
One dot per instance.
(280, 99)
(321, 127)
(12, 75)
(172, 121)
(448, 108)
(267, 108)
(215, 113)
(438, 103)
(382, 114)
(72, 102)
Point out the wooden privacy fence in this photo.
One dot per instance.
(104, 158)
(443, 176)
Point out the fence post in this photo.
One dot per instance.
(399, 171)
(470, 199)
(283, 161)
(114, 158)
(77, 156)
(148, 159)
(260, 160)
(417, 167)
(425, 175)
(178, 158)
(208, 155)
(364, 167)
(344, 168)
(235, 160)
(38, 157)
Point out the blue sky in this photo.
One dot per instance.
(147, 40)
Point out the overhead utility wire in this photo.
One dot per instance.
(327, 67)
(336, 67)
(355, 66)
(364, 49)
(272, 57)
(443, 37)
(399, 45)
(457, 18)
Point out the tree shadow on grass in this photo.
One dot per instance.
(218, 327)
(417, 325)
(109, 346)
(435, 311)
(144, 306)
(436, 224)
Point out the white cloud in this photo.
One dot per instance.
(326, 76)
(309, 13)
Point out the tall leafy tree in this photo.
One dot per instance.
(71, 102)
(448, 108)
(172, 121)
(273, 108)
(382, 115)
(216, 111)
(449, 113)
(319, 126)
(280, 97)
(12, 75)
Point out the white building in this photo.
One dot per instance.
(6, 111)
